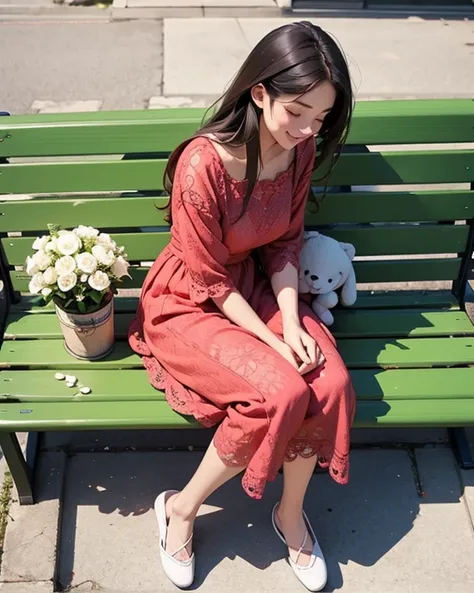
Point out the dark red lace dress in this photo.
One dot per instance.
(216, 371)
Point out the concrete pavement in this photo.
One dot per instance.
(404, 523)
(120, 65)
(406, 57)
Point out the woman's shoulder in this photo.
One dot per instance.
(199, 155)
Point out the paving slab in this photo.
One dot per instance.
(209, 71)
(29, 551)
(35, 587)
(377, 533)
(387, 57)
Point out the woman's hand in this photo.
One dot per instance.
(309, 356)
(287, 353)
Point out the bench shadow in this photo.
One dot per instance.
(358, 523)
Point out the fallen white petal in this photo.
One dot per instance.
(85, 390)
(59, 376)
(70, 384)
(71, 379)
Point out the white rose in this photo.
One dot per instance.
(99, 281)
(32, 266)
(84, 278)
(42, 259)
(86, 232)
(67, 281)
(36, 284)
(106, 240)
(86, 262)
(50, 275)
(68, 243)
(51, 245)
(46, 292)
(104, 256)
(65, 265)
(40, 242)
(120, 267)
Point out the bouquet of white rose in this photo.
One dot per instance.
(79, 269)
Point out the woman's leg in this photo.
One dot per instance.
(296, 477)
(182, 508)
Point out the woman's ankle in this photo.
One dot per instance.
(287, 513)
(183, 509)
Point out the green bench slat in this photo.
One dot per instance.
(357, 353)
(85, 415)
(374, 122)
(348, 324)
(342, 208)
(82, 415)
(133, 385)
(437, 299)
(442, 299)
(437, 166)
(398, 323)
(402, 240)
(420, 270)
(405, 413)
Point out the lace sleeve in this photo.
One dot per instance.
(197, 217)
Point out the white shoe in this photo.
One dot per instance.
(179, 572)
(314, 576)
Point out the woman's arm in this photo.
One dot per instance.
(236, 309)
(285, 287)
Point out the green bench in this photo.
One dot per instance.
(410, 352)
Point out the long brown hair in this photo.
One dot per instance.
(290, 60)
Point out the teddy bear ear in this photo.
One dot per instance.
(310, 235)
(349, 249)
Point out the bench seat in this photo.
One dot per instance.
(411, 366)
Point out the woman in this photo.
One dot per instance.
(220, 326)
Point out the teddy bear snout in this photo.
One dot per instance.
(313, 277)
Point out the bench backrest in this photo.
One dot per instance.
(69, 169)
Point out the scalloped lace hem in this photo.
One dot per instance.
(254, 485)
(279, 261)
(199, 293)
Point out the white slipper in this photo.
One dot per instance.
(314, 576)
(179, 572)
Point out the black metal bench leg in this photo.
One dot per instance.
(461, 449)
(21, 473)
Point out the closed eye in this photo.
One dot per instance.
(317, 119)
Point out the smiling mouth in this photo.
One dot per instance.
(295, 138)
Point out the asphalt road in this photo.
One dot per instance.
(118, 63)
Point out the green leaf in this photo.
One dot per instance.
(48, 299)
(54, 228)
(81, 306)
(96, 296)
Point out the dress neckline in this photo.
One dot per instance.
(278, 178)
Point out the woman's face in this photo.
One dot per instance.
(292, 119)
